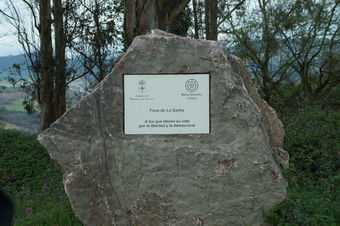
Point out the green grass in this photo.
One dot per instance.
(44, 209)
(16, 105)
(312, 139)
(7, 126)
(33, 181)
(313, 142)
(11, 94)
(309, 205)
(4, 83)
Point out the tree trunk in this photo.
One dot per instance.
(97, 47)
(141, 16)
(194, 5)
(211, 19)
(46, 67)
(168, 10)
(60, 62)
(52, 71)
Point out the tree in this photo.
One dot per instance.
(311, 37)
(60, 59)
(52, 73)
(256, 40)
(141, 16)
(198, 19)
(215, 13)
(45, 58)
(29, 41)
(53, 29)
(195, 12)
(211, 31)
(289, 47)
(96, 40)
(46, 72)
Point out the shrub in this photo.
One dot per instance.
(24, 163)
(33, 181)
(309, 205)
(312, 140)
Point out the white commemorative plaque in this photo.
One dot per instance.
(167, 104)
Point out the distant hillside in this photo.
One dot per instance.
(6, 63)
(12, 112)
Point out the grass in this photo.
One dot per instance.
(312, 139)
(11, 98)
(44, 209)
(11, 94)
(13, 112)
(33, 181)
(309, 205)
(4, 83)
(313, 142)
(15, 105)
(8, 126)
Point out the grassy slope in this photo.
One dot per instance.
(312, 139)
(15, 105)
(11, 98)
(313, 142)
(8, 95)
(12, 111)
(5, 84)
(7, 126)
(33, 181)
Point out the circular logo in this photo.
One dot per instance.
(191, 85)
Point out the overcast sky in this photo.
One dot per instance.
(8, 39)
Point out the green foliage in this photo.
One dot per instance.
(312, 140)
(291, 48)
(22, 159)
(290, 96)
(47, 209)
(33, 181)
(309, 205)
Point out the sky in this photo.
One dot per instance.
(9, 44)
(8, 41)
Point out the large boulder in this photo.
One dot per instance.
(227, 177)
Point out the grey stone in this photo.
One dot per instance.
(228, 177)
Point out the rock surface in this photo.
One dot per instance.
(228, 177)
